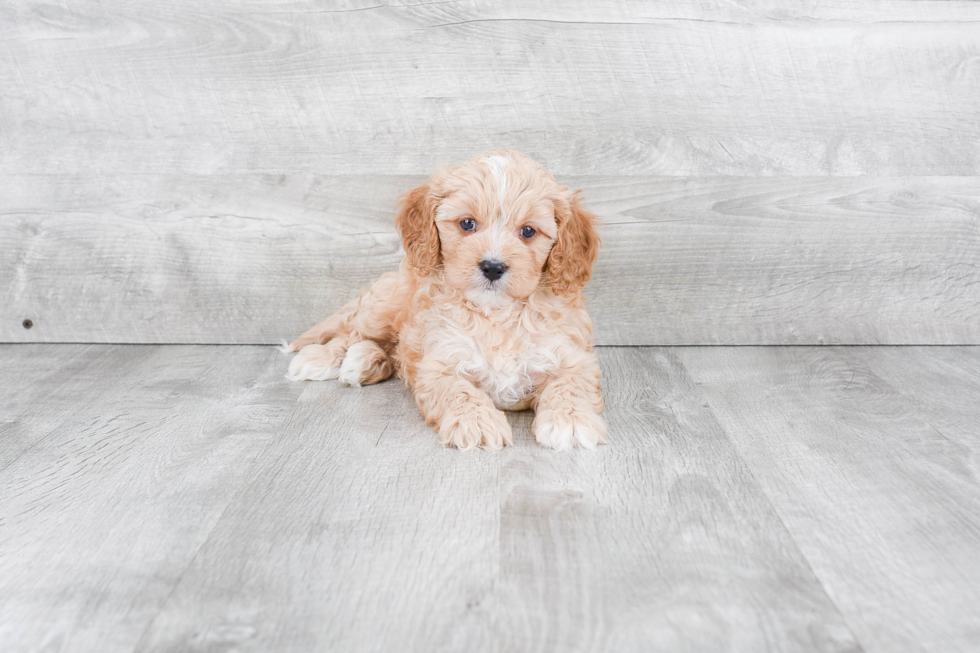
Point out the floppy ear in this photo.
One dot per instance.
(416, 222)
(576, 248)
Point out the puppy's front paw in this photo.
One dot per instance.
(472, 426)
(318, 362)
(564, 428)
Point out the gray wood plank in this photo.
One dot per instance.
(26, 366)
(678, 88)
(101, 517)
(42, 386)
(358, 532)
(259, 258)
(662, 541)
(885, 506)
(779, 499)
(941, 385)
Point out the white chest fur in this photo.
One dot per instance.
(509, 372)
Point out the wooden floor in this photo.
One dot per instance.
(189, 498)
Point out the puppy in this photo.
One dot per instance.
(484, 314)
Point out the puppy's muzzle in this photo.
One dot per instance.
(493, 270)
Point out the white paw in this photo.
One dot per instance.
(563, 429)
(357, 361)
(475, 426)
(316, 363)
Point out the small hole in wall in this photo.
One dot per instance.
(28, 323)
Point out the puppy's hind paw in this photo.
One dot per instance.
(562, 430)
(365, 363)
(317, 362)
(472, 426)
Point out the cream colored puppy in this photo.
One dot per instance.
(484, 314)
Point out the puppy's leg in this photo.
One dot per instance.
(567, 412)
(325, 330)
(362, 330)
(372, 315)
(365, 363)
(318, 362)
(463, 414)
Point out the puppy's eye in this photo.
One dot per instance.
(527, 232)
(469, 224)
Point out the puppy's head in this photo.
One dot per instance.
(500, 226)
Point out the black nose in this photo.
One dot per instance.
(493, 270)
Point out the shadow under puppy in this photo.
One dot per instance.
(484, 314)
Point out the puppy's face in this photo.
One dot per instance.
(500, 226)
(496, 227)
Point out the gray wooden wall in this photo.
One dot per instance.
(224, 171)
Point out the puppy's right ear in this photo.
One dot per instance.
(416, 222)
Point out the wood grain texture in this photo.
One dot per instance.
(44, 384)
(677, 88)
(259, 258)
(102, 515)
(942, 386)
(661, 541)
(753, 499)
(885, 505)
(213, 506)
(358, 532)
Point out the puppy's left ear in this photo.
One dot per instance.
(576, 249)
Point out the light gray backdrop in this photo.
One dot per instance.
(225, 171)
